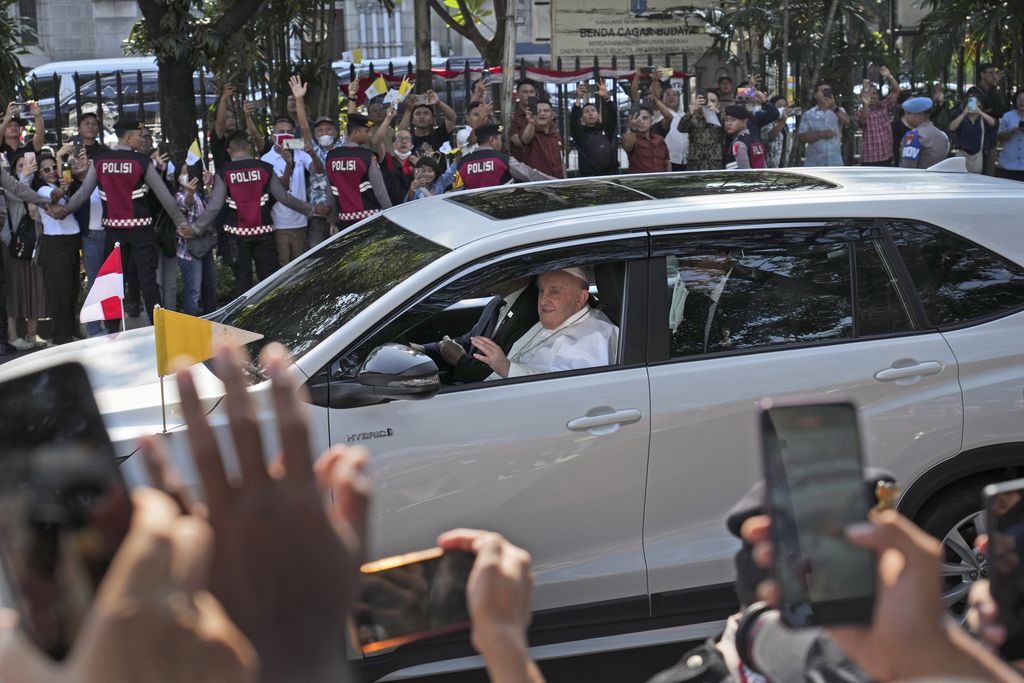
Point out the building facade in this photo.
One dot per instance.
(77, 29)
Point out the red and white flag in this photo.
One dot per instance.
(104, 299)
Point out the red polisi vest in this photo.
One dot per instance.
(348, 172)
(248, 201)
(484, 168)
(121, 178)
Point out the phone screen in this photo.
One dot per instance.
(814, 479)
(64, 508)
(411, 597)
(1004, 504)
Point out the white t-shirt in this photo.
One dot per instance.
(52, 226)
(285, 218)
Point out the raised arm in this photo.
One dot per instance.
(449, 113)
(39, 138)
(220, 122)
(378, 139)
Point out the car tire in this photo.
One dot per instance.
(955, 516)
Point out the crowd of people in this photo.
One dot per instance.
(268, 193)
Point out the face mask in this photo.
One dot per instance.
(325, 140)
(183, 181)
(403, 155)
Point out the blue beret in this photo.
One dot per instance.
(917, 105)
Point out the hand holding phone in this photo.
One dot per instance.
(1004, 507)
(814, 490)
(64, 507)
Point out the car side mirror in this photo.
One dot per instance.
(390, 372)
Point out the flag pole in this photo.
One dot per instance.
(120, 299)
(163, 403)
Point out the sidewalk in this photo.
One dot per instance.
(45, 331)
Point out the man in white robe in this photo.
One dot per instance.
(569, 335)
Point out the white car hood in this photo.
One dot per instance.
(122, 370)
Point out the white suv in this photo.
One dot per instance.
(902, 289)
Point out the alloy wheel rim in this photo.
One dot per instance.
(962, 566)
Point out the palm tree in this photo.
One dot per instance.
(987, 30)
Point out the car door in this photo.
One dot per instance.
(813, 309)
(557, 463)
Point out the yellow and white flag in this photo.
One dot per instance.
(357, 55)
(404, 88)
(195, 155)
(180, 335)
(378, 87)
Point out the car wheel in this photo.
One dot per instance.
(955, 517)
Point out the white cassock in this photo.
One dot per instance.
(586, 339)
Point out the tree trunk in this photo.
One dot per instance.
(824, 52)
(424, 77)
(177, 106)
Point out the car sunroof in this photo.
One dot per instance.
(519, 201)
(721, 182)
(516, 202)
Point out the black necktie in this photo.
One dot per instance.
(492, 324)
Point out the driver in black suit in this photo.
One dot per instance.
(505, 318)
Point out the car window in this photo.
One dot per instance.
(741, 290)
(957, 280)
(882, 307)
(510, 313)
(328, 287)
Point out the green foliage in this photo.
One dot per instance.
(991, 30)
(477, 11)
(14, 32)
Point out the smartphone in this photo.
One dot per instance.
(407, 598)
(30, 158)
(65, 170)
(747, 93)
(281, 138)
(1004, 506)
(64, 507)
(487, 78)
(531, 104)
(814, 481)
(826, 91)
(972, 104)
(294, 143)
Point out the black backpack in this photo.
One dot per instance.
(23, 238)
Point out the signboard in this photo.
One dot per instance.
(606, 28)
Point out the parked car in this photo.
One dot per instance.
(882, 285)
(110, 87)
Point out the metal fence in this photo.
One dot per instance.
(112, 95)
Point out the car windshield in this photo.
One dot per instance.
(327, 288)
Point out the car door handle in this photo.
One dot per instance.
(618, 417)
(929, 367)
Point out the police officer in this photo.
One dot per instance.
(125, 179)
(744, 150)
(489, 166)
(923, 145)
(354, 176)
(248, 187)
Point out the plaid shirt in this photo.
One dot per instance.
(318, 181)
(876, 144)
(192, 215)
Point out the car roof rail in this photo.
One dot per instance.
(950, 165)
